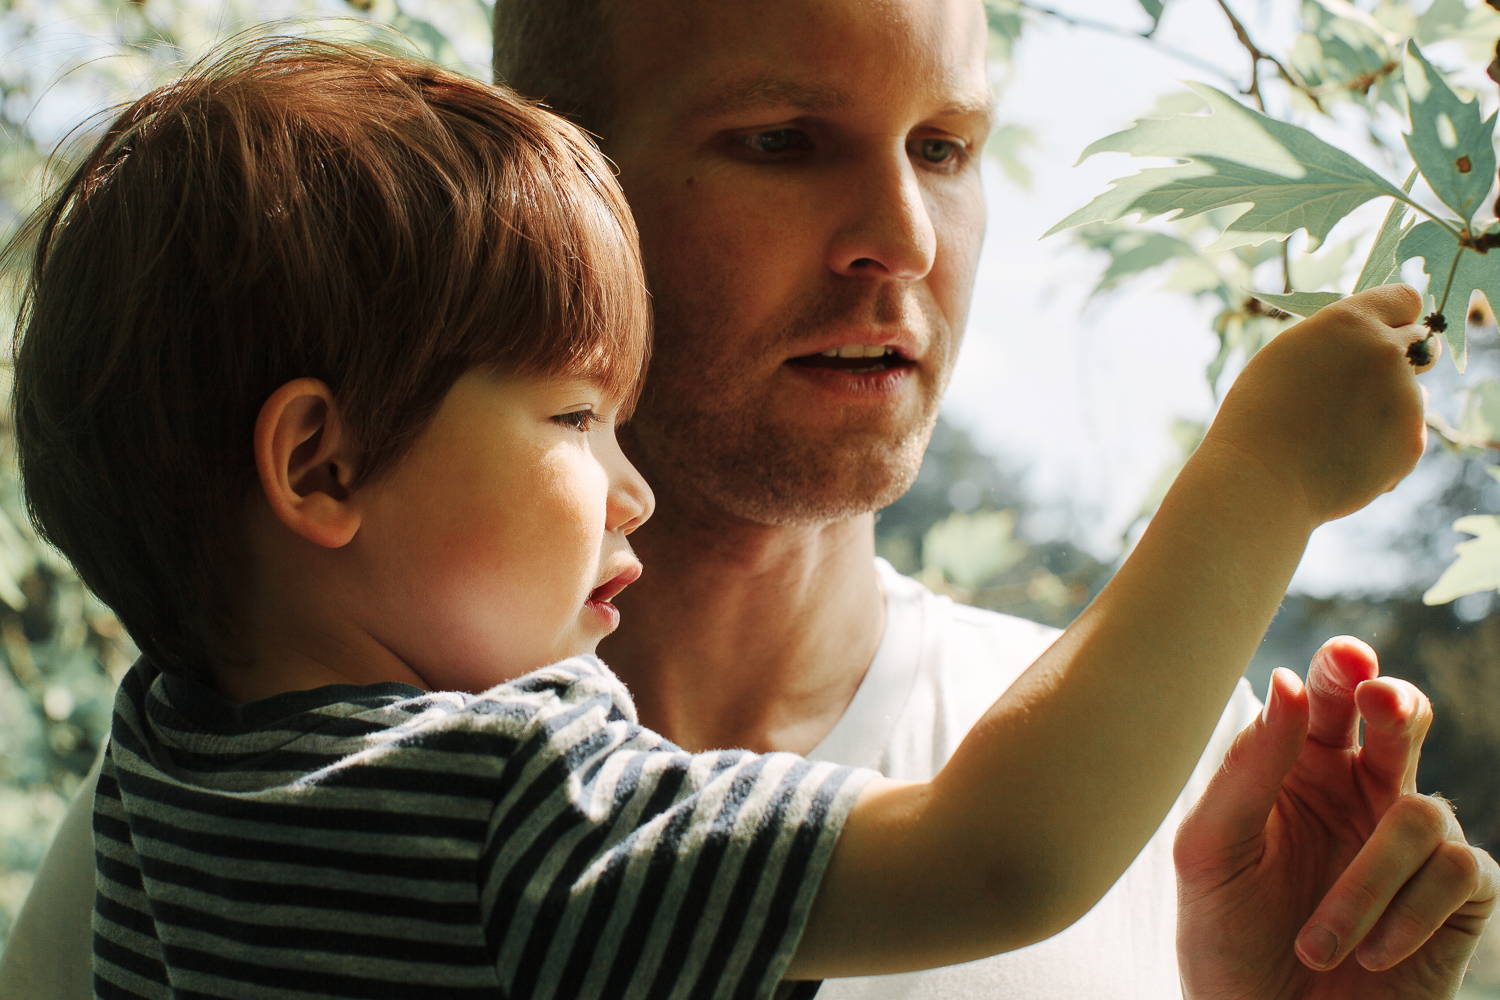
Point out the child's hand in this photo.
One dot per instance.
(1331, 407)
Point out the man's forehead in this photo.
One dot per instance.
(769, 90)
(760, 91)
(719, 57)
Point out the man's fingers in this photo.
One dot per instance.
(1234, 808)
(1397, 717)
(1337, 669)
(1457, 886)
(1403, 841)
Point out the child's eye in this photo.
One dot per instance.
(578, 420)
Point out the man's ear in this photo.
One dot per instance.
(303, 456)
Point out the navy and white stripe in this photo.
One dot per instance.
(529, 842)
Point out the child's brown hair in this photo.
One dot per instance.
(291, 209)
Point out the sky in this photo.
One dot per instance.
(1081, 393)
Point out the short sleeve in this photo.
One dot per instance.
(617, 864)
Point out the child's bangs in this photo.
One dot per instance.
(574, 300)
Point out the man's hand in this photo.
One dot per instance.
(1311, 868)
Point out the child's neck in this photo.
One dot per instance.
(278, 667)
(295, 629)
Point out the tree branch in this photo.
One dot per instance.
(1256, 55)
(1455, 438)
(1104, 27)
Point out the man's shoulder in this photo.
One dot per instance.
(959, 640)
(955, 662)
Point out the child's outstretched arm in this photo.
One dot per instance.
(1064, 780)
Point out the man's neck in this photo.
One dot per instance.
(748, 636)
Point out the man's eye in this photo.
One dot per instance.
(939, 150)
(776, 141)
(578, 420)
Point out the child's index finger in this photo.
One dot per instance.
(1424, 350)
(1394, 305)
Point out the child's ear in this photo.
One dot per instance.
(303, 456)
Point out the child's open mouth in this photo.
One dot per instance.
(855, 359)
(605, 592)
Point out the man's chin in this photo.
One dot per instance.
(805, 485)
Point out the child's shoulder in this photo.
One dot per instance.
(182, 726)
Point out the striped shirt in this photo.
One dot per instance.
(532, 841)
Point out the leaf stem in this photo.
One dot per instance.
(1451, 272)
(1455, 437)
(1458, 236)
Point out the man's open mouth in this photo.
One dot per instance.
(855, 359)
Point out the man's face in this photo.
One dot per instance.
(805, 174)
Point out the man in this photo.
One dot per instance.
(805, 176)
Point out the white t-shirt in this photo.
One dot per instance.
(940, 665)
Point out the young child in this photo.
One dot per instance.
(316, 385)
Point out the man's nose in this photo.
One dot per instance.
(888, 228)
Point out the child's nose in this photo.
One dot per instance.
(631, 501)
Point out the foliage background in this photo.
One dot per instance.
(973, 526)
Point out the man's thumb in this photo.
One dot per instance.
(1234, 808)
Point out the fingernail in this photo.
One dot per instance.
(1271, 699)
(1372, 956)
(1318, 944)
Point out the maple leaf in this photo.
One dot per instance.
(1478, 564)
(1299, 303)
(1452, 145)
(1235, 156)
(1437, 247)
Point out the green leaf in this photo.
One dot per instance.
(1299, 303)
(1320, 271)
(1005, 24)
(1381, 265)
(1005, 145)
(1291, 178)
(972, 549)
(1154, 9)
(1481, 419)
(1452, 144)
(1436, 246)
(1478, 565)
(1132, 251)
(1442, 20)
(1344, 58)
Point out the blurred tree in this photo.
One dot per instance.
(966, 528)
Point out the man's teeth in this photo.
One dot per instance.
(858, 351)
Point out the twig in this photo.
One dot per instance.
(1114, 29)
(1456, 438)
(1256, 55)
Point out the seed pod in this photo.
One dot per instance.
(1420, 352)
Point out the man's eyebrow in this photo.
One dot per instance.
(980, 104)
(766, 91)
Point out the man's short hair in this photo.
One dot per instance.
(293, 209)
(557, 51)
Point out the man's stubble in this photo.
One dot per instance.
(709, 431)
